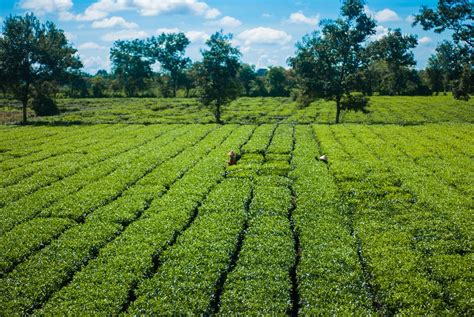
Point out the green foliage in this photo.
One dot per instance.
(325, 61)
(218, 73)
(44, 106)
(34, 280)
(259, 141)
(355, 102)
(169, 50)
(215, 234)
(270, 201)
(265, 276)
(463, 88)
(24, 239)
(434, 73)
(454, 15)
(383, 109)
(394, 49)
(282, 142)
(403, 209)
(246, 77)
(31, 54)
(164, 219)
(165, 226)
(131, 65)
(277, 82)
(99, 85)
(446, 66)
(329, 275)
(258, 87)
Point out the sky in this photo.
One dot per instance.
(266, 31)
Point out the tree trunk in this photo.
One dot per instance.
(217, 114)
(338, 108)
(175, 84)
(24, 104)
(24, 101)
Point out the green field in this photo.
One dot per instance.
(109, 219)
(397, 110)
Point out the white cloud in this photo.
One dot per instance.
(114, 22)
(300, 18)
(69, 36)
(212, 13)
(154, 7)
(227, 22)
(101, 9)
(262, 35)
(41, 7)
(167, 31)
(91, 46)
(66, 16)
(385, 15)
(380, 31)
(410, 19)
(245, 49)
(264, 61)
(93, 63)
(424, 40)
(124, 35)
(266, 15)
(197, 36)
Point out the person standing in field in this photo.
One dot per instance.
(232, 158)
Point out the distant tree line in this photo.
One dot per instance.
(339, 63)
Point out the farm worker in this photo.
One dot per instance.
(232, 158)
(323, 158)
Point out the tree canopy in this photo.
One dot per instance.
(169, 50)
(131, 64)
(395, 50)
(33, 54)
(454, 15)
(325, 62)
(218, 73)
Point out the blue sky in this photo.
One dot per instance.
(265, 30)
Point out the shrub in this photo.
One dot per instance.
(355, 102)
(45, 106)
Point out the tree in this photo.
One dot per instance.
(369, 77)
(277, 82)
(246, 76)
(454, 15)
(131, 65)
(78, 85)
(434, 74)
(326, 62)
(169, 50)
(395, 50)
(258, 88)
(449, 58)
(218, 73)
(99, 86)
(3, 76)
(32, 53)
(462, 86)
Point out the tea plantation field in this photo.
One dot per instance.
(110, 219)
(404, 110)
